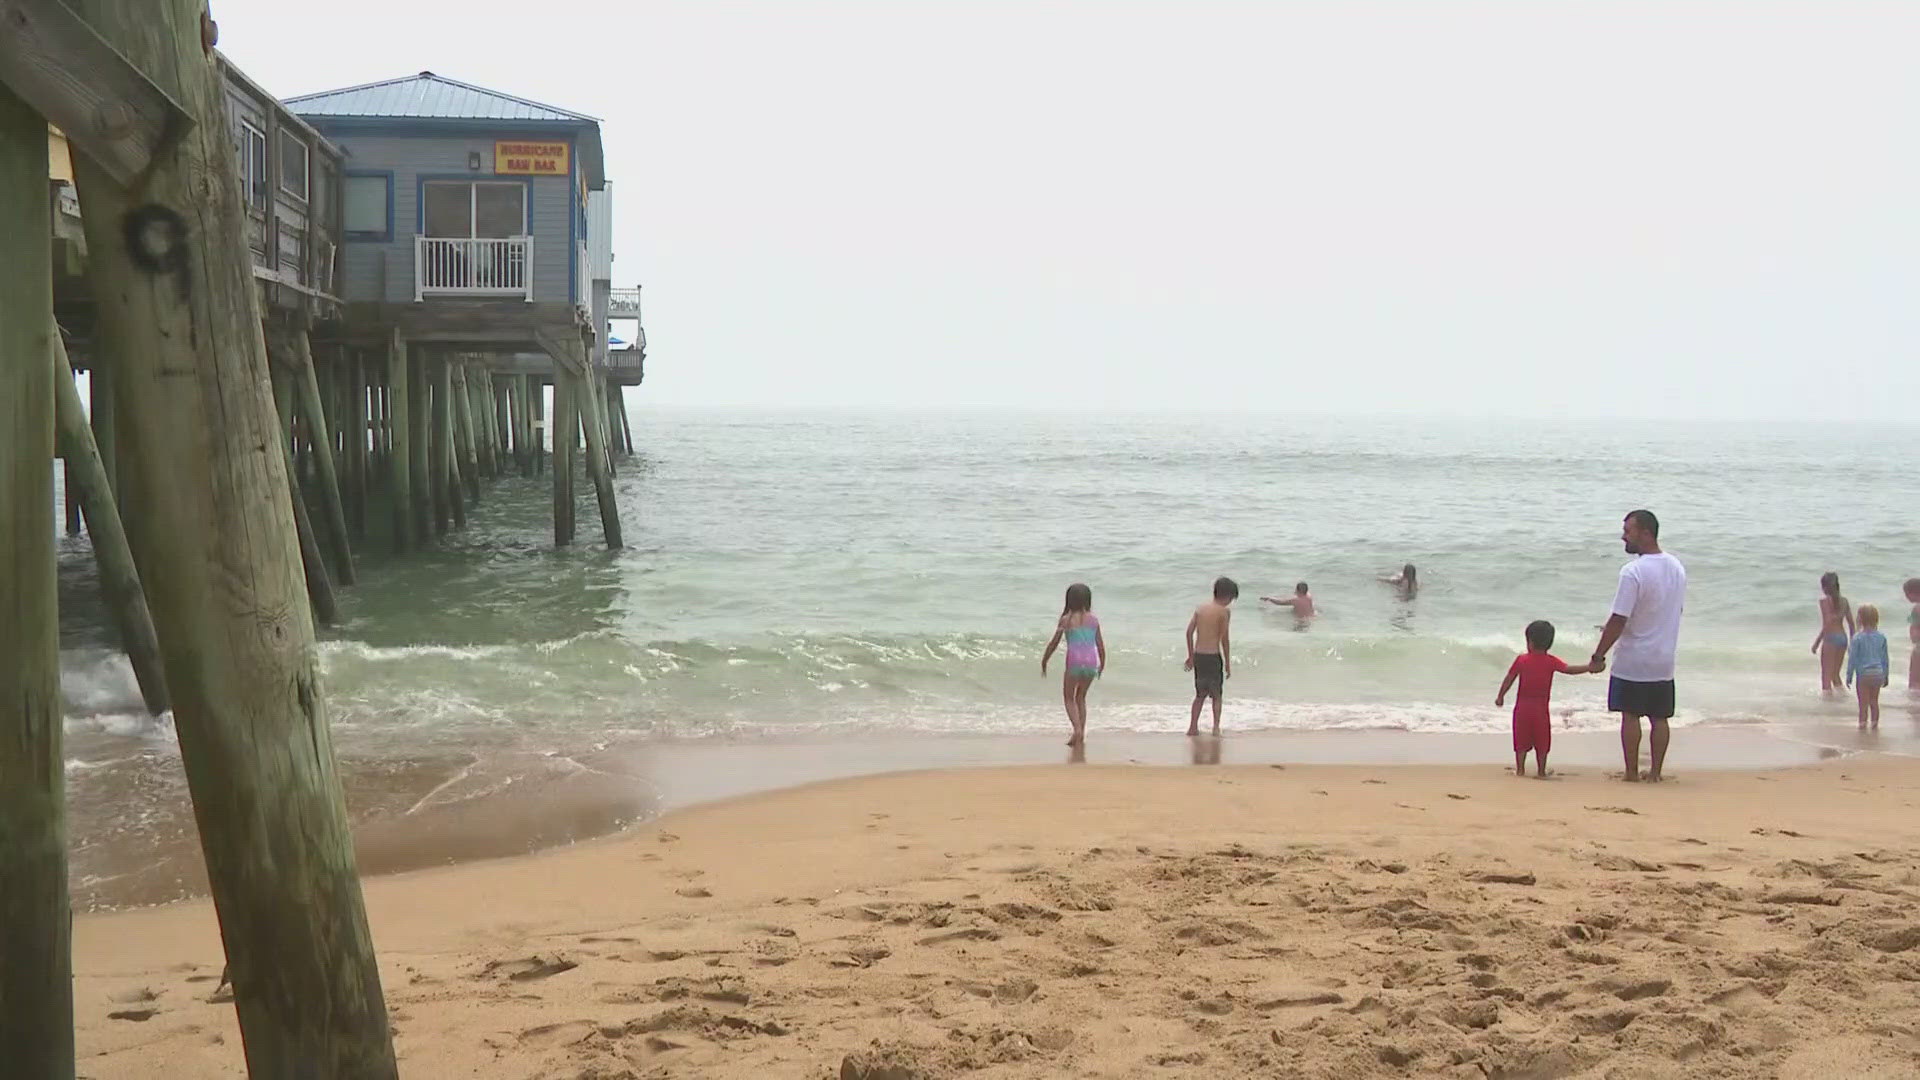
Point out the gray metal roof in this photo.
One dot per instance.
(430, 97)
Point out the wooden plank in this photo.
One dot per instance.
(179, 313)
(119, 577)
(306, 386)
(76, 79)
(36, 974)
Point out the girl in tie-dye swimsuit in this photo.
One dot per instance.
(1086, 656)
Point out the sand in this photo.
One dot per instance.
(1115, 920)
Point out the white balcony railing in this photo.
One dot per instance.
(624, 303)
(444, 266)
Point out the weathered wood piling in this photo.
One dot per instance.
(119, 577)
(178, 313)
(36, 980)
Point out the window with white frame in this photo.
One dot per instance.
(474, 209)
(251, 144)
(293, 165)
(368, 207)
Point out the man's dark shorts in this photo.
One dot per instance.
(1209, 675)
(1653, 700)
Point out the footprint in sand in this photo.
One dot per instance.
(528, 968)
(1461, 798)
(136, 1015)
(1614, 810)
(694, 893)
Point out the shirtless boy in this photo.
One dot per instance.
(1210, 651)
(1301, 601)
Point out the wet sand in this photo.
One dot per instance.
(418, 811)
(1117, 920)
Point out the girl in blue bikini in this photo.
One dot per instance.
(1836, 628)
(1086, 656)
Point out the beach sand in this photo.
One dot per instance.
(1125, 920)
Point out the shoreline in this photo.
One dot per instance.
(1106, 919)
(449, 812)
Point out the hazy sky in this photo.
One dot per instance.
(1664, 208)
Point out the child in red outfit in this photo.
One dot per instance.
(1535, 669)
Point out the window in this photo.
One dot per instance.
(293, 165)
(469, 209)
(251, 143)
(369, 206)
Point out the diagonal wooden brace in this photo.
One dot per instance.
(102, 103)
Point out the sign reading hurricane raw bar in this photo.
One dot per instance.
(518, 158)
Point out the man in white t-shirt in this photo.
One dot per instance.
(1646, 624)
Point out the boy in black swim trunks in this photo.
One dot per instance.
(1209, 651)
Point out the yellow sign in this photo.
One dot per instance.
(530, 158)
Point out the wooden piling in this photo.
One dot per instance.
(565, 423)
(496, 435)
(626, 420)
(420, 445)
(36, 974)
(502, 389)
(312, 562)
(537, 423)
(101, 415)
(489, 416)
(320, 438)
(72, 498)
(523, 433)
(119, 577)
(178, 311)
(463, 435)
(447, 504)
(599, 467)
(399, 453)
(355, 432)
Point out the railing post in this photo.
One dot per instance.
(526, 269)
(419, 268)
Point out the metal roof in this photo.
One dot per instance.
(429, 97)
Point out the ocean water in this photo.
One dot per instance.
(855, 574)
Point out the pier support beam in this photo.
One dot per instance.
(449, 508)
(36, 970)
(488, 403)
(463, 435)
(320, 437)
(537, 423)
(419, 444)
(119, 578)
(72, 497)
(565, 424)
(399, 452)
(576, 382)
(600, 463)
(355, 442)
(178, 312)
(314, 565)
(100, 392)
